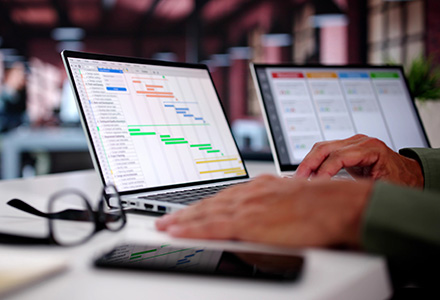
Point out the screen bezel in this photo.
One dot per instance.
(66, 54)
(355, 67)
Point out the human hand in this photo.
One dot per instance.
(278, 211)
(361, 156)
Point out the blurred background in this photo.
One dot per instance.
(39, 124)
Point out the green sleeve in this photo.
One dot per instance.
(429, 160)
(402, 222)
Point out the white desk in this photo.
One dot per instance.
(327, 274)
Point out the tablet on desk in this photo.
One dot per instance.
(201, 260)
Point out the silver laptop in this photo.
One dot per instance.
(303, 105)
(156, 130)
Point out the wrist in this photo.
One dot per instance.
(349, 200)
(357, 195)
(414, 173)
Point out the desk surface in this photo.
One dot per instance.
(327, 274)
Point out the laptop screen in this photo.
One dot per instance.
(153, 124)
(305, 105)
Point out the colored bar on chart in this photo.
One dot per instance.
(238, 169)
(205, 148)
(135, 257)
(106, 70)
(148, 78)
(173, 140)
(168, 125)
(317, 75)
(215, 160)
(153, 93)
(169, 105)
(136, 81)
(188, 115)
(154, 86)
(168, 253)
(134, 129)
(143, 252)
(143, 133)
(213, 151)
(165, 136)
(159, 96)
(201, 145)
(116, 89)
(353, 75)
(181, 112)
(238, 172)
(181, 108)
(175, 143)
(198, 119)
(386, 75)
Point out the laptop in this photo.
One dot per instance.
(156, 130)
(303, 105)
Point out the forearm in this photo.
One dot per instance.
(401, 222)
(429, 160)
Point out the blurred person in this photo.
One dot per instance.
(13, 97)
(392, 208)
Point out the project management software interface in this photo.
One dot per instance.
(154, 125)
(313, 105)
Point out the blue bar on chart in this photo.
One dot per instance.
(353, 75)
(106, 70)
(116, 89)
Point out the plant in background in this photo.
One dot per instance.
(424, 79)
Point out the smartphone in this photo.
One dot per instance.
(202, 260)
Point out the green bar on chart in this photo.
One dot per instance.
(201, 145)
(213, 151)
(143, 133)
(173, 140)
(175, 143)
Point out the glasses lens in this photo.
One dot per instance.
(73, 221)
(114, 215)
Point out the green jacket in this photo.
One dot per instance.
(405, 222)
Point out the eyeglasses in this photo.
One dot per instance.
(71, 219)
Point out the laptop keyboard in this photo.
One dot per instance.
(188, 196)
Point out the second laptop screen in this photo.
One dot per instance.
(309, 105)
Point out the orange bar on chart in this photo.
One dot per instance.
(154, 93)
(154, 86)
(136, 81)
(315, 75)
(159, 96)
